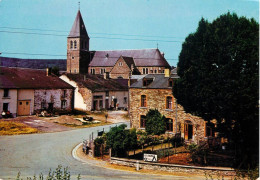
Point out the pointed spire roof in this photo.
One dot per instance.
(78, 29)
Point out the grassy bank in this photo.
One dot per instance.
(15, 128)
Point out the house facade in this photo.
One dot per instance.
(154, 91)
(93, 92)
(25, 91)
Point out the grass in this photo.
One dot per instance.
(15, 128)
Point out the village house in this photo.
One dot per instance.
(25, 91)
(93, 92)
(117, 63)
(154, 91)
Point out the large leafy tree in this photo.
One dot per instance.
(218, 69)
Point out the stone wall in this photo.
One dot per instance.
(152, 70)
(54, 96)
(174, 167)
(120, 69)
(156, 99)
(98, 69)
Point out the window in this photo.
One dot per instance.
(5, 107)
(71, 44)
(43, 105)
(142, 121)
(155, 71)
(147, 81)
(169, 124)
(75, 44)
(107, 93)
(143, 100)
(6, 92)
(75, 70)
(170, 83)
(92, 71)
(102, 71)
(125, 100)
(168, 102)
(64, 94)
(120, 64)
(63, 104)
(145, 70)
(151, 71)
(72, 57)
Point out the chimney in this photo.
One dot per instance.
(167, 72)
(84, 77)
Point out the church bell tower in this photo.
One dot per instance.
(78, 55)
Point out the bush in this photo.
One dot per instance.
(199, 153)
(121, 140)
(177, 141)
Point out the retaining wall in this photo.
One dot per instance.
(174, 167)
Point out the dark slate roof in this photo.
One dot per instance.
(78, 29)
(159, 81)
(141, 57)
(17, 78)
(33, 63)
(129, 61)
(97, 83)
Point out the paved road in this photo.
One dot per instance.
(36, 153)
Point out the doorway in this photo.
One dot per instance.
(24, 108)
(188, 130)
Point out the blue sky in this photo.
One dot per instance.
(111, 24)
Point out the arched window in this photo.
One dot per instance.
(75, 44)
(143, 100)
(71, 44)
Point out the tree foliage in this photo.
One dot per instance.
(218, 69)
(121, 140)
(155, 123)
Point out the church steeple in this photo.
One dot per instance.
(78, 29)
(78, 47)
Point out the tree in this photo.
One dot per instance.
(155, 123)
(121, 140)
(218, 69)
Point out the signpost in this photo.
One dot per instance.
(150, 157)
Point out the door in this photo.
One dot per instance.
(106, 104)
(24, 108)
(188, 131)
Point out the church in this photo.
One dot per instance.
(115, 64)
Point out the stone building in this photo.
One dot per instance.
(94, 92)
(117, 63)
(24, 91)
(154, 91)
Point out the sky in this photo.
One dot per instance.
(38, 29)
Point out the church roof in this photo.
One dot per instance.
(141, 57)
(78, 29)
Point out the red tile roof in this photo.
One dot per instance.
(17, 78)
